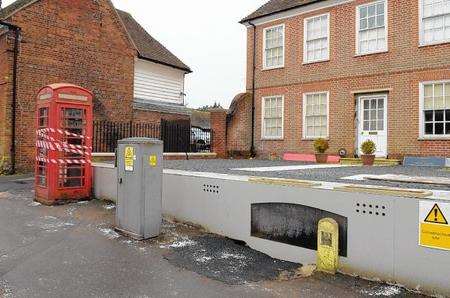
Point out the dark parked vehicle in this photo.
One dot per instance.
(200, 139)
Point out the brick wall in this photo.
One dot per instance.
(219, 127)
(239, 124)
(399, 71)
(80, 42)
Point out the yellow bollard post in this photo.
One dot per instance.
(328, 246)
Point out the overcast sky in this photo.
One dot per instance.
(206, 35)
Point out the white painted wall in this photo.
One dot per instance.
(157, 82)
(378, 247)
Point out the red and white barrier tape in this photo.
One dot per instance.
(61, 147)
(64, 144)
(50, 143)
(62, 132)
(63, 161)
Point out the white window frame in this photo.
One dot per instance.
(422, 134)
(264, 47)
(305, 37)
(422, 42)
(304, 132)
(263, 130)
(386, 26)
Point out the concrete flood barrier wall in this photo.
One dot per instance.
(105, 181)
(379, 233)
(276, 217)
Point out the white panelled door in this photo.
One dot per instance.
(372, 124)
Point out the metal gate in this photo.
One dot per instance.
(176, 135)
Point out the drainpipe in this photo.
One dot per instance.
(16, 31)
(252, 148)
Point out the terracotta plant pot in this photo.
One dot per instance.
(368, 160)
(321, 157)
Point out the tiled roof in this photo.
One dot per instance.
(156, 106)
(274, 6)
(201, 119)
(147, 47)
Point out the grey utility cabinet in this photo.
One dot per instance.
(139, 190)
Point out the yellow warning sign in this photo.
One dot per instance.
(436, 216)
(153, 160)
(434, 229)
(129, 159)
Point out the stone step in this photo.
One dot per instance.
(378, 161)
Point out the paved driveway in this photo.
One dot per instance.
(72, 251)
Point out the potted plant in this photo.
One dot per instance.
(320, 147)
(368, 149)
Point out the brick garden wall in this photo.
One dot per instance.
(399, 71)
(239, 124)
(218, 118)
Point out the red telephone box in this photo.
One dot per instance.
(63, 144)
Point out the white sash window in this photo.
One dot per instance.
(371, 22)
(435, 109)
(315, 115)
(272, 118)
(274, 47)
(316, 46)
(434, 21)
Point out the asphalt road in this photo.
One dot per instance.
(72, 251)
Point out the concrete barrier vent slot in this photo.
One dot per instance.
(375, 209)
(209, 188)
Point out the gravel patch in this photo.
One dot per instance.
(223, 260)
(326, 174)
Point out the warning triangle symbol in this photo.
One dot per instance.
(436, 216)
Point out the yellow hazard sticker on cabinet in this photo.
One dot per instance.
(434, 228)
(129, 159)
(153, 161)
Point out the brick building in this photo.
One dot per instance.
(91, 44)
(348, 71)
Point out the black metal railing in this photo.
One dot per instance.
(107, 134)
(178, 136)
(201, 139)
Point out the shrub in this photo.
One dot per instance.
(368, 147)
(4, 165)
(273, 156)
(238, 154)
(321, 145)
